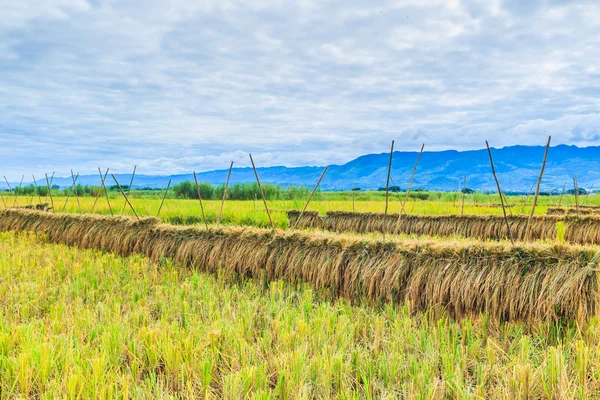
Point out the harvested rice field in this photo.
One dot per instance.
(78, 323)
(443, 306)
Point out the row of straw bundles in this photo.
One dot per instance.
(582, 230)
(527, 282)
(572, 211)
(310, 219)
(476, 226)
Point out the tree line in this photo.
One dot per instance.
(239, 191)
(183, 190)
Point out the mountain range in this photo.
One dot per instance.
(517, 168)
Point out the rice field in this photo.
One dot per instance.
(95, 306)
(85, 324)
(252, 213)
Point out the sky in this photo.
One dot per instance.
(175, 86)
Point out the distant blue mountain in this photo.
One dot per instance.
(517, 168)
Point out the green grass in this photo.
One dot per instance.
(249, 212)
(82, 324)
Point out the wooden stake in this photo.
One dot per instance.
(262, 193)
(124, 195)
(310, 197)
(387, 184)
(129, 188)
(499, 192)
(51, 180)
(352, 197)
(17, 188)
(103, 184)
(11, 191)
(163, 199)
(200, 200)
(462, 206)
(75, 190)
(50, 192)
(37, 189)
(69, 196)
(527, 198)
(100, 189)
(537, 189)
(33, 195)
(225, 193)
(412, 178)
(561, 194)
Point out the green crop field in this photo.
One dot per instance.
(252, 212)
(83, 324)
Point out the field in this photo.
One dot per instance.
(100, 307)
(252, 212)
(83, 324)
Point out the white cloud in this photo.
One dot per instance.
(181, 85)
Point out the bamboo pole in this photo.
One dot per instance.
(537, 189)
(387, 184)
(561, 195)
(415, 200)
(33, 194)
(462, 206)
(68, 197)
(75, 190)
(50, 193)
(103, 181)
(310, 197)
(500, 192)
(200, 200)
(101, 188)
(11, 191)
(37, 189)
(527, 199)
(163, 199)
(124, 195)
(51, 180)
(129, 187)
(17, 188)
(575, 183)
(262, 193)
(412, 178)
(225, 193)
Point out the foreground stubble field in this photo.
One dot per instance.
(79, 323)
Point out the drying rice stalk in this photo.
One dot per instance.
(526, 282)
(476, 226)
(571, 211)
(310, 219)
(582, 230)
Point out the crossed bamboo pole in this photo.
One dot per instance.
(510, 236)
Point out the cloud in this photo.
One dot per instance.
(583, 129)
(181, 85)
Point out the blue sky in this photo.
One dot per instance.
(182, 85)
